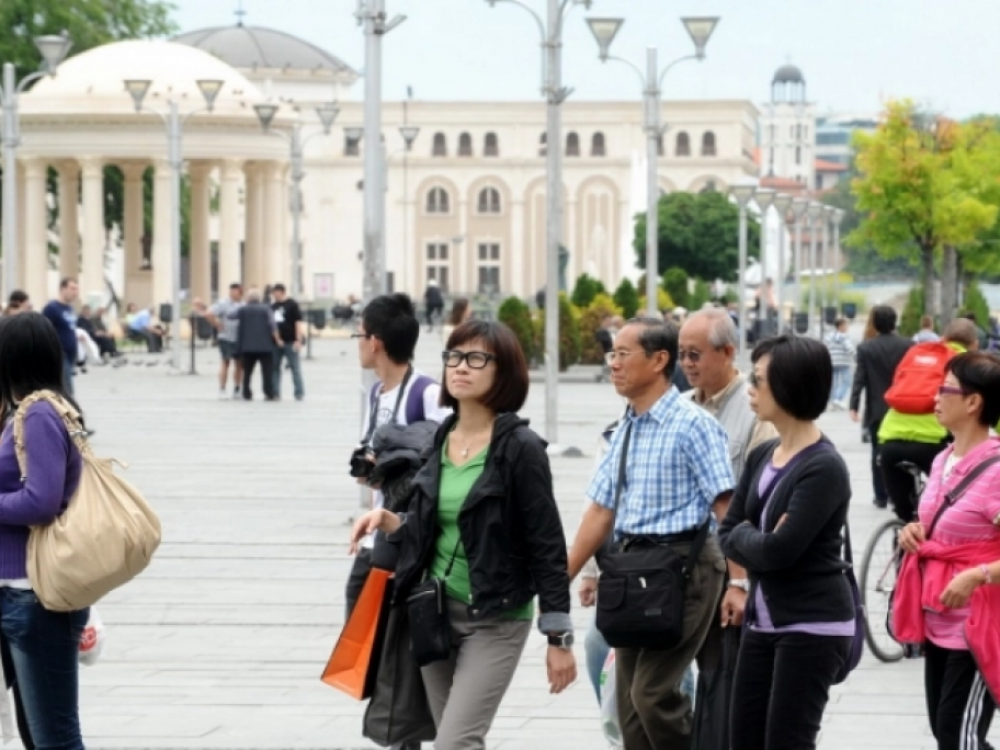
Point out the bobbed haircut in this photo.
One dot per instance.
(884, 319)
(31, 359)
(799, 375)
(510, 386)
(979, 372)
(392, 319)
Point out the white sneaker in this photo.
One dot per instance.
(222, 395)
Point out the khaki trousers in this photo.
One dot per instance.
(653, 712)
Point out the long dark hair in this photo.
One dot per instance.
(31, 359)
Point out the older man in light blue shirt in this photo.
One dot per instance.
(677, 475)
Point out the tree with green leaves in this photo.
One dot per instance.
(675, 283)
(627, 298)
(585, 289)
(699, 233)
(516, 315)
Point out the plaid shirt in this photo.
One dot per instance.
(678, 464)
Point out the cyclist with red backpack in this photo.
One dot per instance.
(910, 432)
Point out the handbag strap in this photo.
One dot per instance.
(373, 410)
(960, 489)
(622, 461)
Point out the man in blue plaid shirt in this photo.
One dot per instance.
(677, 473)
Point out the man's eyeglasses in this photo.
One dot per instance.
(951, 390)
(475, 360)
(610, 357)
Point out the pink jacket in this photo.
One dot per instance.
(924, 577)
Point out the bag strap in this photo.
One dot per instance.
(622, 461)
(696, 547)
(69, 416)
(415, 411)
(373, 411)
(960, 489)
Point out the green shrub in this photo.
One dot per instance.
(586, 288)
(626, 298)
(913, 310)
(702, 293)
(569, 333)
(675, 283)
(516, 315)
(976, 304)
(663, 301)
(590, 321)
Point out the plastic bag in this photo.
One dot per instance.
(92, 640)
(609, 703)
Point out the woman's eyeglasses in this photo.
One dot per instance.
(754, 380)
(951, 390)
(475, 360)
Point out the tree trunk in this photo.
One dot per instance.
(927, 259)
(949, 285)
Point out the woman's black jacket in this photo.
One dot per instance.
(509, 526)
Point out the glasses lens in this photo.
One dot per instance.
(692, 356)
(477, 360)
(753, 379)
(450, 358)
(609, 357)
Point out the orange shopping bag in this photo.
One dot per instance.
(353, 663)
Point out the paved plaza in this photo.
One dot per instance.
(220, 644)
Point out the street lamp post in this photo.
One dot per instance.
(835, 218)
(327, 113)
(815, 214)
(174, 122)
(53, 49)
(824, 292)
(799, 208)
(763, 197)
(555, 94)
(743, 193)
(604, 31)
(782, 203)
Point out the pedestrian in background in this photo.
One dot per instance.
(292, 332)
(926, 332)
(461, 311)
(224, 315)
(842, 351)
(433, 302)
(60, 313)
(256, 337)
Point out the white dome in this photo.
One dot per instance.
(99, 74)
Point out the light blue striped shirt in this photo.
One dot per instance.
(677, 465)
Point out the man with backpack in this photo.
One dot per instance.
(877, 359)
(910, 431)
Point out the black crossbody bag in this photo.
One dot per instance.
(430, 626)
(640, 594)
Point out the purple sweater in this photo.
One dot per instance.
(54, 465)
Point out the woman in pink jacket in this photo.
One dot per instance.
(947, 596)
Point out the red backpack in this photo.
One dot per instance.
(918, 376)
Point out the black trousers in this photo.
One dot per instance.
(878, 484)
(266, 373)
(959, 706)
(781, 688)
(899, 483)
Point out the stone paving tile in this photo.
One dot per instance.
(220, 644)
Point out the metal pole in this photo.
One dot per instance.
(763, 308)
(780, 281)
(823, 292)
(374, 259)
(742, 283)
(194, 322)
(553, 219)
(10, 139)
(309, 330)
(812, 267)
(798, 263)
(836, 263)
(174, 156)
(652, 183)
(297, 176)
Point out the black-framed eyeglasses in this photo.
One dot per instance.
(475, 360)
(754, 380)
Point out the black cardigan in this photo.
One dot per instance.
(799, 567)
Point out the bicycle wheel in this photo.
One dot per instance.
(879, 567)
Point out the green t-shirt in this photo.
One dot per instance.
(456, 482)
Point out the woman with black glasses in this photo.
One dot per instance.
(483, 522)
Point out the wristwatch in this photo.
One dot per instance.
(740, 583)
(561, 640)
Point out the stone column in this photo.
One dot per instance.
(518, 283)
(69, 219)
(35, 240)
(201, 252)
(274, 267)
(134, 215)
(92, 271)
(162, 235)
(230, 263)
(253, 255)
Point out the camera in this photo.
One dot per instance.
(361, 463)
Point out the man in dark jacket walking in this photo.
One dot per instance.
(877, 359)
(255, 342)
(433, 302)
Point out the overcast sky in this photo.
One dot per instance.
(853, 53)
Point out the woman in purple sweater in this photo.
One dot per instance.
(40, 647)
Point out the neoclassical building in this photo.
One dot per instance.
(465, 205)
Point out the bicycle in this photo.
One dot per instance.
(879, 567)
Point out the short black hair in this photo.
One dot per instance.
(279, 287)
(658, 335)
(800, 374)
(979, 372)
(31, 359)
(392, 319)
(17, 297)
(510, 386)
(884, 318)
(63, 283)
(236, 285)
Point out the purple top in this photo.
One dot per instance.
(761, 619)
(53, 475)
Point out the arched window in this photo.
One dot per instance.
(572, 145)
(597, 146)
(542, 141)
(440, 147)
(489, 201)
(708, 143)
(438, 201)
(465, 145)
(492, 145)
(682, 146)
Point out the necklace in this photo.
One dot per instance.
(464, 452)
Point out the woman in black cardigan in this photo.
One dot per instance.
(784, 525)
